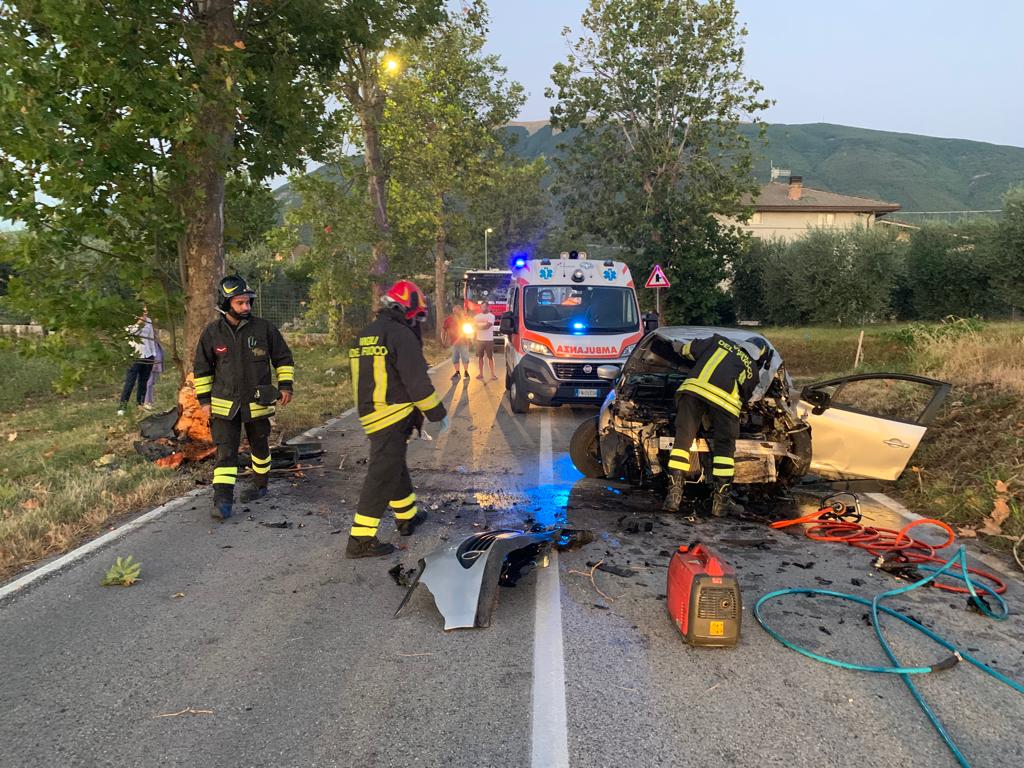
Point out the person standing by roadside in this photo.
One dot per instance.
(143, 341)
(484, 324)
(232, 381)
(461, 333)
(154, 374)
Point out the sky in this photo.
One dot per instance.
(932, 67)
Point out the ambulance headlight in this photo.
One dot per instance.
(627, 351)
(536, 348)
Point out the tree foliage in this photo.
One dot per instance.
(1008, 254)
(657, 91)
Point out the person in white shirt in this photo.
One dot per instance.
(484, 323)
(142, 338)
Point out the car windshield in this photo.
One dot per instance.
(493, 288)
(580, 309)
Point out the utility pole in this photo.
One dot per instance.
(486, 233)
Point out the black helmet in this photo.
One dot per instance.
(230, 287)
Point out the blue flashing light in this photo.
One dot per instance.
(578, 327)
(519, 262)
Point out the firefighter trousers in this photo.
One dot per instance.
(226, 435)
(725, 428)
(387, 483)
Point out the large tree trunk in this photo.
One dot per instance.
(440, 272)
(207, 154)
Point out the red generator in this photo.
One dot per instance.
(704, 597)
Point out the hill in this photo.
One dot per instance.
(921, 173)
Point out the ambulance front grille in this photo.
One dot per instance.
(716, 603)
(575, 370)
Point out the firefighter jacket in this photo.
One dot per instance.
(723, 372)
(233, 361)
(389, 375)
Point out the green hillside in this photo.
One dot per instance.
(921, 173)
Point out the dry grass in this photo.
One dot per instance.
(991, 357)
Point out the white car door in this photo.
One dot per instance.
(869, 425)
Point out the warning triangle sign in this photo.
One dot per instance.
(657, 278)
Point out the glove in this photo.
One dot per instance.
(446, 424)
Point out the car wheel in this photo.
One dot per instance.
(585, 449)
(517, 398)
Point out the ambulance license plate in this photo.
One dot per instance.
(586, 393)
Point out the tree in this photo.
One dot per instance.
(657, 91)
(949, 271)
(128, 122)
(1008, 256)
(440, 132)
(514, 202)
(361, 87)
(250, 212)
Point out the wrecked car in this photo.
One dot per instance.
(861, 427)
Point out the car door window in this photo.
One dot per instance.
(905, 398)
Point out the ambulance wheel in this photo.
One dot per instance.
(585, 450)
(516, 397)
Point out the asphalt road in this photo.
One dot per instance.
(291, 657)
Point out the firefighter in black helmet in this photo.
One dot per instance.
(722, 379)
(233, 384)
(393, 393)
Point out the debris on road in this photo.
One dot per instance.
(593, 583)
(617, 570)
(403, 577)
(281, 525)
(185, 711)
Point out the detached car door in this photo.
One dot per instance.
(868, 425)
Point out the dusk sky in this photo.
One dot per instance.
(932, 67)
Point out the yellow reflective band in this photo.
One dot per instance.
(225, 471)
(710, 365)
(680, 452)
(354, 364)
(723, 472)
(386, 422)
(260, 470)
(366, 520)
(203, 380)
(673, 464)
(428, 402)
(258, 411)
(408, 514)
(686, 350)
(385, 417)
(203, 384)
(356, 531)
(380, 381)
(725, 461)
(262, 462)
(221, 401)
(286, 373)
(398, 504)
(712, 394)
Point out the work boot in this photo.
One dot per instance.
(367, 546)
(254, 492)
(221, 509)
(406, 527)
(722, 503)
(674, 497)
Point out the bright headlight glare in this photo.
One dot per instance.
(467, 328)
(536, 348)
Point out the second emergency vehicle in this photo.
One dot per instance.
(566, 318)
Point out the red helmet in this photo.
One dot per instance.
(407, 295)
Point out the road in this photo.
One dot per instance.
(291, 656)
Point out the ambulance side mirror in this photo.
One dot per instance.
(651, 322)
(507, 324)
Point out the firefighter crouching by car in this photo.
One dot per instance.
(393, 393)
(233, 384)
(722, 380)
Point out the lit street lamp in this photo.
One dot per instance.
(486, 233)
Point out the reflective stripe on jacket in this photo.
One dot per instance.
(389, 375)
(231, 362)
(722, 374)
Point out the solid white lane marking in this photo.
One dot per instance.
(549, 743)
(92, 546)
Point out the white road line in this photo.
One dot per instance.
(549, 743)
(95, 544)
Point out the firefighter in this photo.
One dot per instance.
(233, 384)
(721, 382)
(393, 393)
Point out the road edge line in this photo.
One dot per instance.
(549, 735)
(78, 553)
(894, 506)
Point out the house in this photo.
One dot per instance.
(787, 210)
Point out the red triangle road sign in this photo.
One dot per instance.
(657, 278)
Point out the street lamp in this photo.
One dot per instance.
(392, 64)
(486, 233)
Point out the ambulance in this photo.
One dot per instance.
(567, 318)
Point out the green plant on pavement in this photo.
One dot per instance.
(123, 573)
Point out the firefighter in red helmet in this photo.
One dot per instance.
(393, 393)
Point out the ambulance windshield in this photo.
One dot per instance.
(580, 310)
